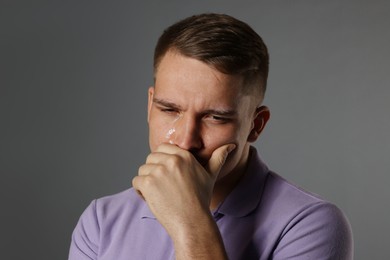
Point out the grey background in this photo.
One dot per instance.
(73, 89)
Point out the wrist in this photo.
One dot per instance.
(199, 239)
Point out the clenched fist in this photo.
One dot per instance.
(177, 188)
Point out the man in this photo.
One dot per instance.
(203, 192)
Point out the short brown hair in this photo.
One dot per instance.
(221, 41)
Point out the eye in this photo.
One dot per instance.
(168, 110)
(219, 119)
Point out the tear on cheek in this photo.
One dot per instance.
(172, 130)
(169, 135)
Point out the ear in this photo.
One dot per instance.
(150, 100)
(260, 119)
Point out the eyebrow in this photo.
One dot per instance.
(166, 103)
(224, 113)
(219, 112)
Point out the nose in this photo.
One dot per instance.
(188, 134)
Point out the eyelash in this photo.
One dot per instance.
(168, 110)
(218, 119)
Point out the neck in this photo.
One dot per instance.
(226, 184)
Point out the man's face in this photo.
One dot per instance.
(200, 109)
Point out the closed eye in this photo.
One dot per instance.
(221, 116)
(220, 119)
(168, 110)
(165, 106)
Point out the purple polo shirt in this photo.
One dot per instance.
(264, 217)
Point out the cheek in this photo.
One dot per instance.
(218, 136)
(158, 131)
(234, 135)
(161, 129)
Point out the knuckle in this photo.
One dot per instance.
(159, 170)
(148, 181)
(187, 156)
(134, 181)
(173, 160)
(142, 170)
(221, 160)
(149, 157)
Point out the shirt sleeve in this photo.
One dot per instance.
(320, 231)
(85, 237)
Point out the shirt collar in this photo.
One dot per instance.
(245, 197)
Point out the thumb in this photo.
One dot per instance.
(218, 158)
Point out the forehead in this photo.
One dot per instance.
(181, 74)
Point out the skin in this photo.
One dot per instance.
(200, 128)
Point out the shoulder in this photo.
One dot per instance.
(279, 193)
(122, 202)
(103, 216)
(292, 205)
(308, 225)
(112, 209)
